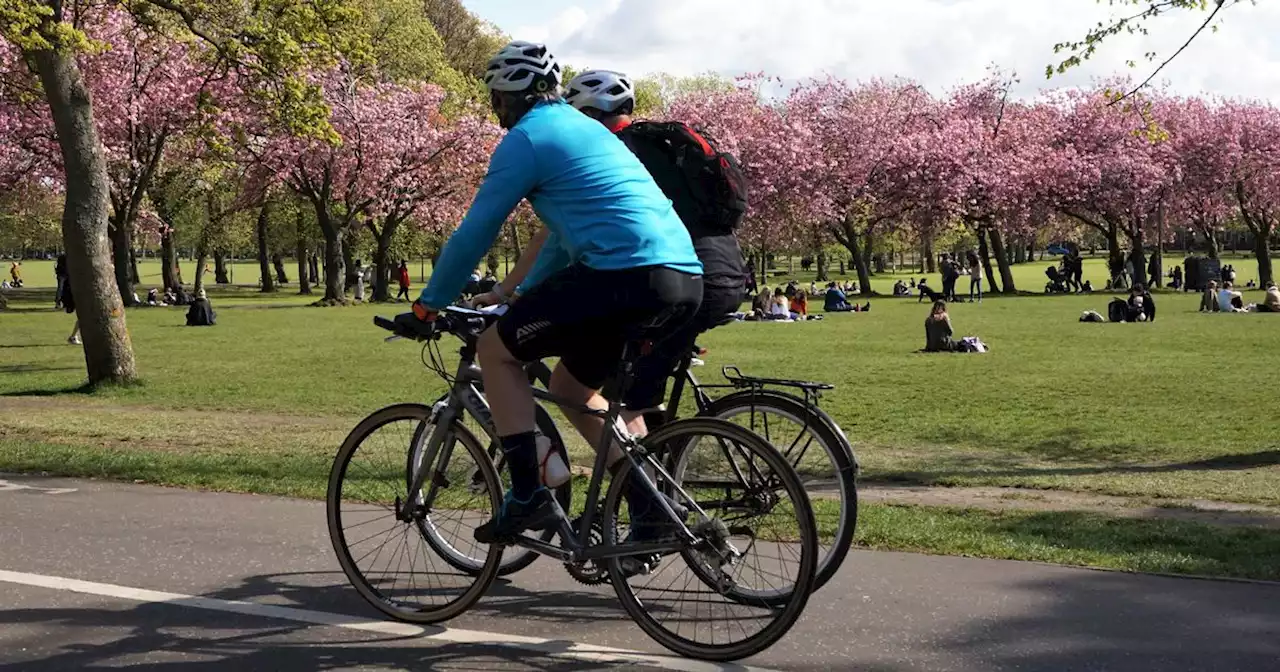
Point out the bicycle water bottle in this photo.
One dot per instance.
(551, 467)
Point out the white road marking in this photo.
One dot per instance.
(550, 647)
(10, 485)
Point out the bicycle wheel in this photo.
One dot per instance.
(828, 473)
(516, 558)
(679, 604)
(376, 527)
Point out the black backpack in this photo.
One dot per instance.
(706, 186)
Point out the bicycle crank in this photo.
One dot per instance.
(588, 572)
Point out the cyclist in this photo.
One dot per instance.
(615, 257)
(609, 97)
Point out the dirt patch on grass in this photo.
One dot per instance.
(1028, 499)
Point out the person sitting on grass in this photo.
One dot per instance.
(761, 303)
(1141, 307)
(900, 288)
(836, 302)
(201, 314)
(1270, 304)
(779, 306)
(1229, 300)
(938, 333)
(800, 306)
(937, 329)
(1209, 300)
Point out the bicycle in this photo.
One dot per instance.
(753, 399)
(422, 494)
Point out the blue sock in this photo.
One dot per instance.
(522, 461)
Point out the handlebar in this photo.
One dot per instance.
(464, 323)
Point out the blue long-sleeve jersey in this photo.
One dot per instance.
(602, 207)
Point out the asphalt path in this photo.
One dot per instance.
(96, 574)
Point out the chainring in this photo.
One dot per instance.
(589, 572)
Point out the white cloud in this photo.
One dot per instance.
(937, 42)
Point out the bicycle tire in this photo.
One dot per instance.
(834, 444)
(681, 432)
(419, 414)
(516, 558)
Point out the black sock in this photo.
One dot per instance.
(640, 500)
(522, 461)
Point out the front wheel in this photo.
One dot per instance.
(379, 529)
(753, 541)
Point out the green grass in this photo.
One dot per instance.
(1170, 409)
(1177, 409)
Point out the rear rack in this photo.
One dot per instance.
(737, 379)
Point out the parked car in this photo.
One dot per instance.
(1057, 249)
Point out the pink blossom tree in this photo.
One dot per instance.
(875, 148)
(1206, 147)
(394, 157)
(1113, 173)
(1255, 174)
(775, 145)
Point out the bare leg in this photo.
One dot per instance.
(565, 386)
(506, 386)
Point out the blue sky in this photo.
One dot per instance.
(937, 42)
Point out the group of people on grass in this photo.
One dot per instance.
(1226, 299)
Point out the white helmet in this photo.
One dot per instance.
(523, 66)
(605, 90)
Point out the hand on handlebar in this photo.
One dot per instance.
(484, 300)
(422, 312)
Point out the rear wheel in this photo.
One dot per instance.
(697, 602)
(819, 452)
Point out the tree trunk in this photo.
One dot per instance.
(1262, 251)
(930, 259)
(381, 257)
(304, 256)
(984, 256)
(822, 266)
(1002, 259)
(202, 258)
(1211, 244)
(1019, 253)
(277, 261)
(335, 276)
(133, 267)
(877, 260)
(122, 257)
(220, 267)
(1138, 254)
(349, 256)
(108, 352)
(264, 261)
(168, 275)
(866, 252)
(313, 267)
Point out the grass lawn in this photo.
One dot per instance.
(1176, 409)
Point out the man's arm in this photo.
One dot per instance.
(525, 263)
(512, 175)
(552, 258)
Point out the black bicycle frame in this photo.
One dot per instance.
(465, 393)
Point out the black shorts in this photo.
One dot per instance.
(585, 316)
(650, 387)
